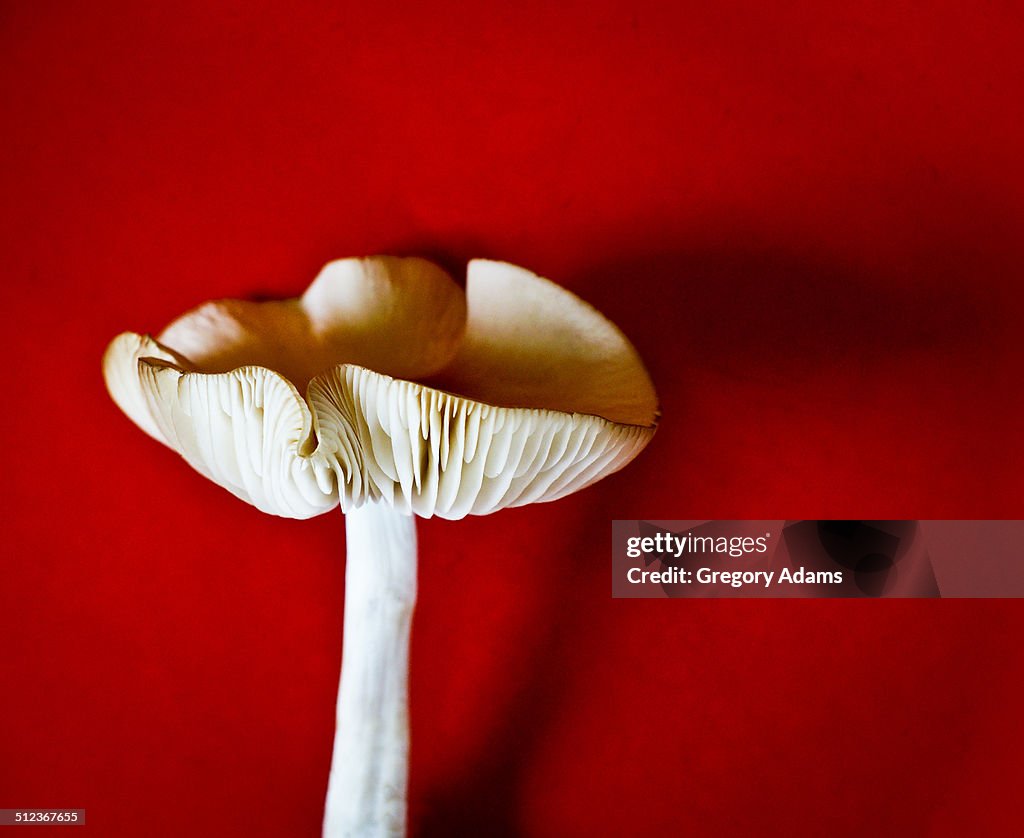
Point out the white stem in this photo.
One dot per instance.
(370, 763)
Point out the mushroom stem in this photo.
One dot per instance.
(370, 763)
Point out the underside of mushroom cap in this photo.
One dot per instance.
(371, 437)
(430, 452)
(365, 435)
(121, 373)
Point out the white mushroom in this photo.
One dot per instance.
(419, 399)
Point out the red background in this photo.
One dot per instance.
(808, 219)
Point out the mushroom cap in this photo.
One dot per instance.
(417, 394)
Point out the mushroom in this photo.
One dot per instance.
(419, 400)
